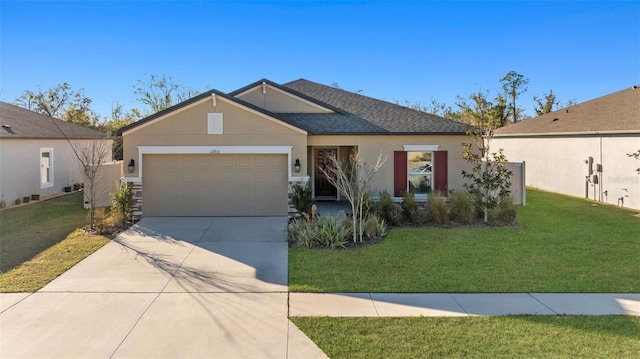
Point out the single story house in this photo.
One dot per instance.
(239, 154)
(35, 156)
(581, 150)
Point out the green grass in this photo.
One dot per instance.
(564, 244)
(40, 241)
(50, 263)
(476, 337)
(28, 230)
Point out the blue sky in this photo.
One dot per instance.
(393, 50)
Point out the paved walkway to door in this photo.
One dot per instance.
(168, 287)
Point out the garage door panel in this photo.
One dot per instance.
(219, 185)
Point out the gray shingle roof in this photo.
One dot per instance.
(616, 112)
(354, 113)
(17, 122)
(329, 123)
(388, 117)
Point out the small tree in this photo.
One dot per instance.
(92, 155)
(353, 179)
(490, 180)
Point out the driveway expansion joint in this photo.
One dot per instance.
(539, 301)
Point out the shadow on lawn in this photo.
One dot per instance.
(30, 229)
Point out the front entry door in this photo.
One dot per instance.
(322, 185)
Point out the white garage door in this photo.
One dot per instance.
(214, 185)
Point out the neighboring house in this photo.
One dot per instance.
(35, 156)
(581, 150)
(239, 154)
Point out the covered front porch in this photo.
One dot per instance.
(318, 159)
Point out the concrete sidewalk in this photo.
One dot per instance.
(460, 304)
(166, 288)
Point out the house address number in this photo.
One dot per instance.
(214, 151)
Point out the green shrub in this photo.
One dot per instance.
(122, 204)
(369, 206)
(101, 222)
(325, 231)
(301, 233)
(477, 206)
(375, 227)
(302, 198)
(422, 217)
(388, 210)
(462, 207)
(409, 207)
(507, 211)
(330, 231)
(437, 209)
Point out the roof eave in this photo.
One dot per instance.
(571, 133)
(290, 91)
(387, 133)
(194, 100)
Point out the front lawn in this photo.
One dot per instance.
(40, 241)
(29, 229)
(563, 244)
(50, 263)
(476, 337)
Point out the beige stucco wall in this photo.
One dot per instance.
(107, 183)
(276, 101)
(20, 167)
(370, 147)
(240, 128)
(557, 164)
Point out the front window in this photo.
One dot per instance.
(420, 174)
(46, 167)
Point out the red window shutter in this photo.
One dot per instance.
(441, 169)
(399, 173)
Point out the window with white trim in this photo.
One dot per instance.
(46, 167)
(420, 172)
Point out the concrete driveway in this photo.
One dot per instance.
(168, 287)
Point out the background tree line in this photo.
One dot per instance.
(153, 94)
(158, 92)
(501, 109)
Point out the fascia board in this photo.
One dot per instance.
(218, 98)
(271, 87)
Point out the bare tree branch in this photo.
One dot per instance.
(353, 179)
(92, 155)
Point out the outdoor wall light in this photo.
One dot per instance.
(297, 165)
(131, 166)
